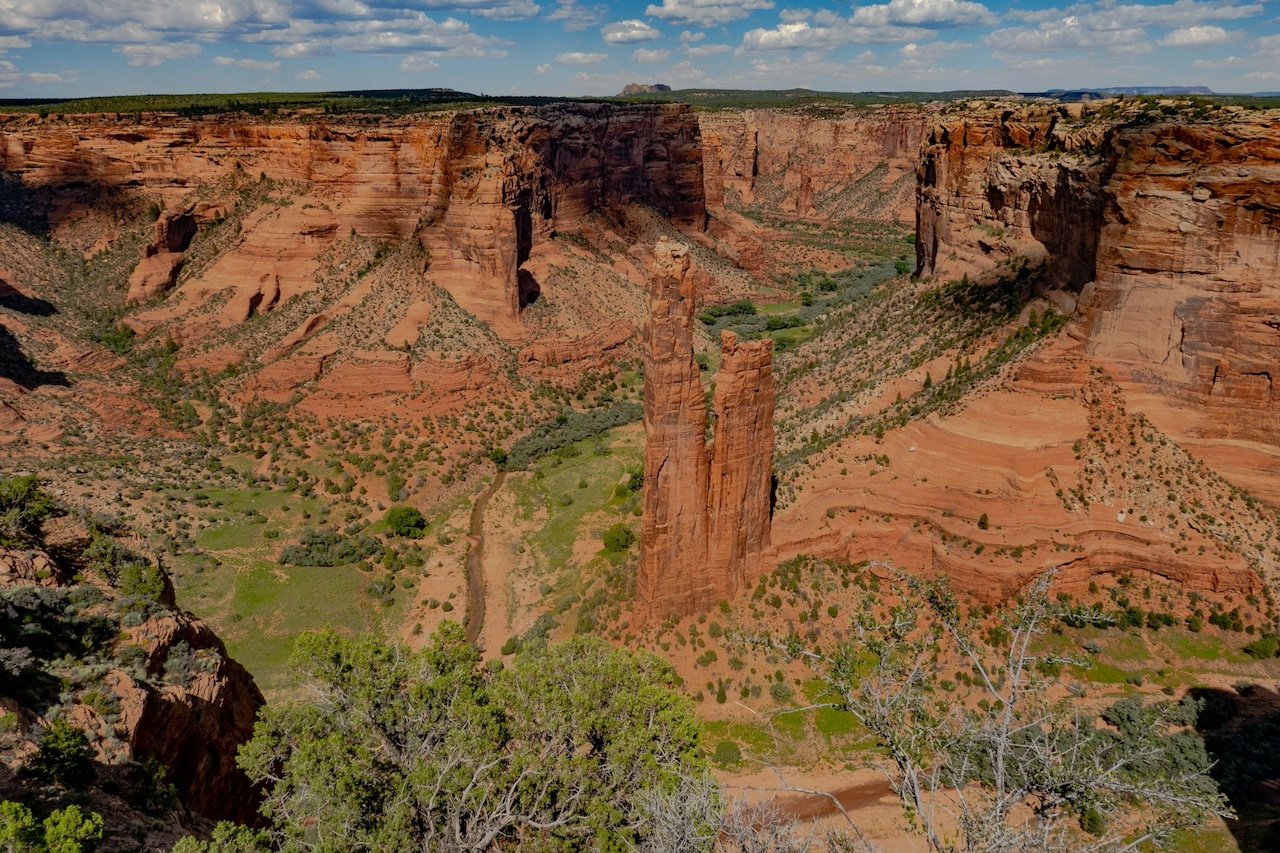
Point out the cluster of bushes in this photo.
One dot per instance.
(406, 521)
(329, 548)
(743, 308)
(566, 428)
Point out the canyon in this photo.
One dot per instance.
(235, 330)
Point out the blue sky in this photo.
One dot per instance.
(64, 48)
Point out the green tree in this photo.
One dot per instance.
(23, 508)
(619, 538)
(406, 521)
(18, 830)
(64, 757)
(429, 750)
(70, 830)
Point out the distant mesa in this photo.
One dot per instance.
(643, 88)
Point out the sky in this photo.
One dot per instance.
(76, 48)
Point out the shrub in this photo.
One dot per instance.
(23, 508)
(727, 752)
(406, 521)
(1263, 648)
(619, 538)
(64, 758)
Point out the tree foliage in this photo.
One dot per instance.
(1006, 765)
(23, 507)
(406, 521)
(68, 830)
(64, 757)
(429, 750)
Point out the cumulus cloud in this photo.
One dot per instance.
(157, 54)
(250, 64)
(706, 13)
(700, 50)
(13, 43)
(1197, 37)
(415, 33)
(628, 32)
(929, 13)
(309, 74)
(689, 37)
(828, 32)
(580, 58)
(418, 63)
(11, 77)
(642, 55)
(1070, 33)
(576, 17)
(542, 69)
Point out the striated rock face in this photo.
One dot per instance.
(1164, 236)
(742, 461)
(157, 273)
(814, 165)
(480, 188)
(674, 526)
(706, 518)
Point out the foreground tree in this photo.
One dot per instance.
(428, 750)
(999, 761)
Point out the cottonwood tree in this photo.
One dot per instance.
(1000, 763)
(402, 750)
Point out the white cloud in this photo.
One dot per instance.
(832, 32)
(628, 32)
(10, 77)
(418, 63)
(250, 64)
(642, 55)
(415, 33)
(13, 43)
(580, 58)
(935, 13)
(577, 17)
(1071, 33)
(158, 54)
(1197, 37)
(701, 50)
(1268, 46)
(689, 37)
(792, 16)
(309, 74)
(542, 70)
(706, 13)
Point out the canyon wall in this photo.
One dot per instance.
(706, 516)
(825, 165)
(1162, 232)
(480, 188)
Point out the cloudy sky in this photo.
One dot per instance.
(64, 48)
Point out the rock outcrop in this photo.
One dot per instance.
(741, 461)
(706, 516)
(1164, 235)
(157, 272)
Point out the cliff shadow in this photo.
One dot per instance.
(1241, 731)
(530, 289)
(22, 206)
(18, 368)
(16, 300)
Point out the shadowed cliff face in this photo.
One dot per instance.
(1164, 235)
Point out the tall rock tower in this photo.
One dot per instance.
(706, 514)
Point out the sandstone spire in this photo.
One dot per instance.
(741, 463)
(706, 514)
(673, 533)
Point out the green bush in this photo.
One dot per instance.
(406, 521)
(619, 538)
(23, 508)
(727, 752)
(1263, 648)
(64, 758)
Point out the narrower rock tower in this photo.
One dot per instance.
(706, 514)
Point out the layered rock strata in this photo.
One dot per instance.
(705, 526)
(479, 188)
(1163, 235)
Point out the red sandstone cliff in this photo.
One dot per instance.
(706, 516)
(1166, 233)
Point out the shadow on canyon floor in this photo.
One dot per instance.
(1241, 731)
(18, 368)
